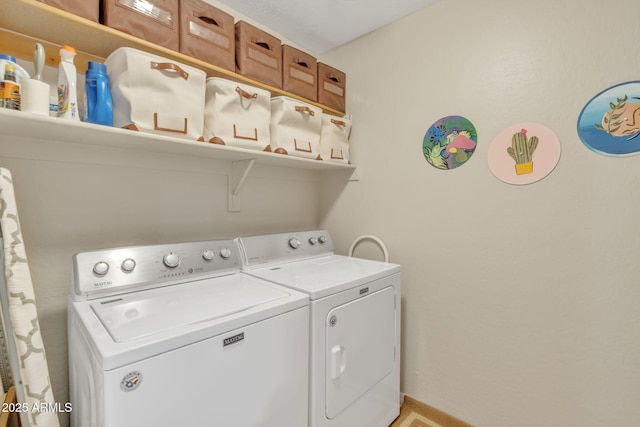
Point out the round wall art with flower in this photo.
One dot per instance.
(610, 122)
(449, 142)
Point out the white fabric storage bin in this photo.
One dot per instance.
(295, 127)
(237, 115)
(334, 139)
(155, 94)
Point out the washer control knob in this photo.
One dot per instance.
(128, 265)
(101, 268)
(294, 243)
(208, 254)
(225, 253)
(171, 260)
(313, 240)
(322, 239)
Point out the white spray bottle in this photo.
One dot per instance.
(67, 93)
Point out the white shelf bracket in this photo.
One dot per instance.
(355, 175)
(239, 171)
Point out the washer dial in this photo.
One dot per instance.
(294, 243)
(171, 260)
(128, 265)
(101, 268)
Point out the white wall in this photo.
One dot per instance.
(521, 303)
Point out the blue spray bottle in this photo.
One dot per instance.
(99, 101)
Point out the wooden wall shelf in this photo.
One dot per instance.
(27, 125)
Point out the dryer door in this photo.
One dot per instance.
(360, 338)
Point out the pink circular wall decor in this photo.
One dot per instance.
(524, 153)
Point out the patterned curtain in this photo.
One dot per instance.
(21, 318)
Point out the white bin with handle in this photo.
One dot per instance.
(155, 94)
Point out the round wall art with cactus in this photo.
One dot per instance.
(610, 122)
(524, 153)
(449, 142)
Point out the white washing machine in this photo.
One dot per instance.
(174, 335)
(354, 329)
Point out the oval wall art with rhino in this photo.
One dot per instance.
(610, 122)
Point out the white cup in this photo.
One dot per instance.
(34, 97)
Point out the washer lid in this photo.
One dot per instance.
(325, 275)
(136, 315)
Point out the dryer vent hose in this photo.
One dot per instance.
(379, 242)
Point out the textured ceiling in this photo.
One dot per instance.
(321, 25)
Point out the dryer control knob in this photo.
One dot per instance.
(294, 243)
(208, 254)
(171, 260)
(128, 265)
(225, 253)
(322, 239)
(313, 240)
(101, 268)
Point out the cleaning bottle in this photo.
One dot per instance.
(98, 99)
(67, 94)
(11, 75)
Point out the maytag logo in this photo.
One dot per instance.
(232, 340)
(364, 291)
(102, 284)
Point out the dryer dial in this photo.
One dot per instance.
(171, 260)
(313, 240)
(225, 253)
(208, 254)
(322, 239)
(294, 243)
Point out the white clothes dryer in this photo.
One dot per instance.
(174, 335)
(354, 327)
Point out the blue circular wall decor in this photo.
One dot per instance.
(609, 123)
